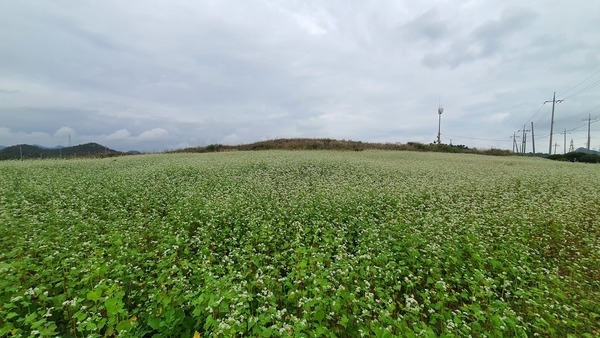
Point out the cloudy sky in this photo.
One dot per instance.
(155, 75)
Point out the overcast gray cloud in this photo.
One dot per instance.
(155, 75)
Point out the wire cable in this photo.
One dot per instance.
(580, 82)
(475, 138)
(583, 90)
(536, 112)
(543, 116)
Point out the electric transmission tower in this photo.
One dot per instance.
(571, 148)
(515, 144)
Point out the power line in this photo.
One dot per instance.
(580, 82)
(536, 112)
(552, 109)
(542, 137)
(584, 89)
(475, 138)
(543, 116)
(578, 127)
(574, 116)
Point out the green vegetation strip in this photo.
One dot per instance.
(299, 244)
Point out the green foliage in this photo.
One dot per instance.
(576, 157)
(298, 244)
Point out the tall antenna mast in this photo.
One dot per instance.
(440, 111)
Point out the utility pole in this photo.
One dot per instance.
(565, 141)
(589, 119)
(554, 102)
(532, 139)
(555, 145)
(524, 145)
(588, 140)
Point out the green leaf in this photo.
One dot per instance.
(210, 321)
(4, 330)
(94, 295)
(113, 305)
(266, 332)
(80, 316)
(344, 321)
(303, 264)
(91, 326)
(124, 325)
(319, 315)
(320, 331)
(11, 315)
(155, 322)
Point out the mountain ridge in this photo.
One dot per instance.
(584, 150)
(27, 151)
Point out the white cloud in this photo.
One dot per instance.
(153, 135)
(64, 132)
(9, 137)
(121, 134)
(498, 117)
(162, 74)
(315, 22)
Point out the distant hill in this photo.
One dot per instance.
(2, 147)
(26, 151)
(585, 151)
(329, 144)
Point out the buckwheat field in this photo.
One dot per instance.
(299, 244)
